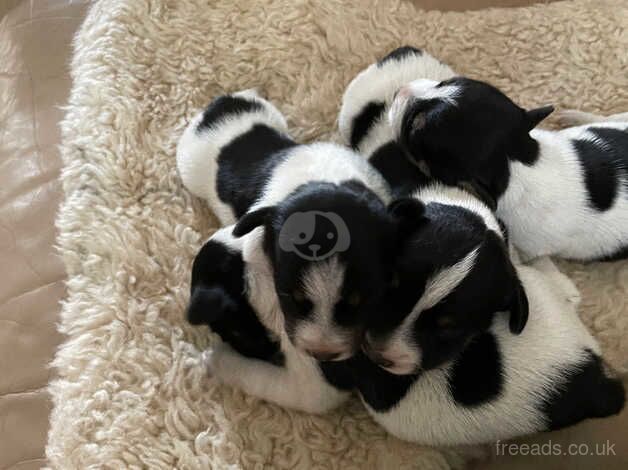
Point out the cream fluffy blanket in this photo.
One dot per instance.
(131, 392)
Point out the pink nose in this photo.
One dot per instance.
(404, 92)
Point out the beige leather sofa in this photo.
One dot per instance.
(35, 38)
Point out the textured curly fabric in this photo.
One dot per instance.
(131, 392)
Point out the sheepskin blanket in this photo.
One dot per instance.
(131, 392)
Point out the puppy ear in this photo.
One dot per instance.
(251, 220)
(409, 213)
(209, 304)
(519, 308)
(536, 115)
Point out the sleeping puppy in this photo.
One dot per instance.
(363, 122)
(457, 364)
(220, 299)
(561, 193)
(327, 231)
(233, 294)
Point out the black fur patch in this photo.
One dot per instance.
(246, 164)
(368, 260)
(471, 140)
(605, 162)
(400, 53)
(586, 393)
(381, 390)
(477, 376)
(441, 332)
(220, 270)
(224, 106)
(402, 175)
(363, 122)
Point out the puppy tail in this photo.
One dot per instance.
(574, 117)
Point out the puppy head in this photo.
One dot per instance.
(332, 250)
(454, 275)
(218, 297)
(464, 130)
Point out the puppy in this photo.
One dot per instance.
(327, 231)
(233, 293)
(457, 365)
(363, 122)
(220, 299)
(561, 193)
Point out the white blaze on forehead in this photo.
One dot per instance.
(401, 343)
(422, 89)
(322, 284)
(444, 282)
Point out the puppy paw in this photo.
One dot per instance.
(208, 361)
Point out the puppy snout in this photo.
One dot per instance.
(403, 92)
(375, 355)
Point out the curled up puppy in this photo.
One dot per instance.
(328, 233)
(363, 118)
(562, 193)
(232, 293)
(478, 349)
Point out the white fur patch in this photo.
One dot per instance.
(546, 206)
(325, 162)
(422, 89)
(199, 148)
(378, 84)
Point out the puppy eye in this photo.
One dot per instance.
(354, 299)
(298, 296)
(446, 322)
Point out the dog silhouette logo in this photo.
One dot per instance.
(314, 235)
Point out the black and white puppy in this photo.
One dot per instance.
(220, 298)
(474, 384)
(327, 231)
(363, 118)
(233, 293)
(561, 193)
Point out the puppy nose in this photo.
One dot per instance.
(324, 355)
(314, 247)
(403, 92)
(376, 355)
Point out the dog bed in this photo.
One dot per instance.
(130, 391)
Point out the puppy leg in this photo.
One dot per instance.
(560, 280)
(574, 117)
(272, 383)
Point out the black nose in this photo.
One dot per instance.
(324, 356)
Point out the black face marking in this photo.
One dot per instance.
(471, 140)
(399, 54)
(476, 376)
(605, 161)
(246, 164)
(490, 286)
(224, 106)
(403, 176)
(367, 258)
(586, 393)
(218, 301)
(363, 122)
